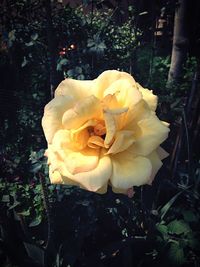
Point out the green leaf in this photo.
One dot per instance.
(168, 205)
(11, 35)
(81, 77)
(71, 72)
(35, 222)
(178, 227)
(30, 43)
(176, 254)
(61, 63)
(162, 228)
(143, 13)
(24, 62)
(15, 204)
(34, 36)
(90, 43)
(102, 46)
(78, 70)
(24, 213)
(5, 198)
(36, 167)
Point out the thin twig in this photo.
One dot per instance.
(47, 207)
(188, 143)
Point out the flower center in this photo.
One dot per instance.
(97, 134)
(98, 129)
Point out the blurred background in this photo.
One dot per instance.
(43, 42)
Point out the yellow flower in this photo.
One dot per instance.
(103, 131)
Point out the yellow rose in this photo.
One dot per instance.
(103, 132)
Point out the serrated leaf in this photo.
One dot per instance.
(178, 227)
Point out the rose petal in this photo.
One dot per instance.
(110, 128)
(127, 96)
(106, 79)
(162, 153)
(117, 111)
(95, 142)
(65, 139)
(118, 115)
(84, 126)
(118, 190)
(102, 189)
(110, 101)
(80, 139)
(149, 97)
(136, 113)
(55, 176)
(80, 161)
(75, 88)
(156, 165)
(152, 132)
(125, 91)
(53, 112)
(62, 139)
(129, 171)
(75, 161)
(97, 178)
(55, 162)
(123, 140)
(87, 109)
